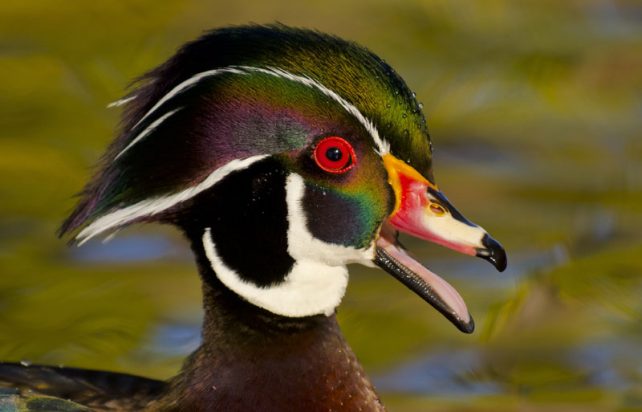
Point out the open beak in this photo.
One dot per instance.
(423, 211)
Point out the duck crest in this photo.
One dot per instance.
(222, 90)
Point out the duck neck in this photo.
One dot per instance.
(251, 357)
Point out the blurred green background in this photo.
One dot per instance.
(535, 109)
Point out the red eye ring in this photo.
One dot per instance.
(334, 155)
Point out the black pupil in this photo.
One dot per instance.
(334, 154)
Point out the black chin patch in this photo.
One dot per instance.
(247, 214)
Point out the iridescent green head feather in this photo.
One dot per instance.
(230, 107)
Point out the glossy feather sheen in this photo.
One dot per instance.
(352, 73)
(381, 145)
(206, 137)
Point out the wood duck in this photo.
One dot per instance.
(283, 155)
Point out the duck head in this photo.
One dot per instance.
(284, 155)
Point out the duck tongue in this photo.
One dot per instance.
(392, 258)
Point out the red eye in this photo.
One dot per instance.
(335, 155)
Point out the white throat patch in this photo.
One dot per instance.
(318, 279)
(310, 290)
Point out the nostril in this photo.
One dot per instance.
(437, 209)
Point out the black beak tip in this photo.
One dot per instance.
(494, 253)
(467, 327)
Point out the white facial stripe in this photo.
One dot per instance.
(121, 102)
(311, 288)
(151, 207)
(383, 146)
(302, 246)
(186, 84)
(147, 131)
(452, 230)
